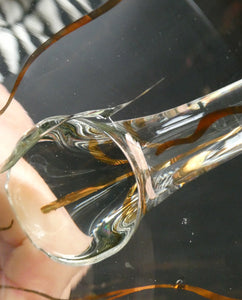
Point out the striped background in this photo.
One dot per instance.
(26, 24)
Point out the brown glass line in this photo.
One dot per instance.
(196, 290)
(124, 292)
(202, 127)
(8, 227)
(56, 37)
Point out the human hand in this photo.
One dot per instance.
(21, 264)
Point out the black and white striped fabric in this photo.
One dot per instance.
(26, 24)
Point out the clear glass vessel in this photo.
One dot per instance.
(93, 179)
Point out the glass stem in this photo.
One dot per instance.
(182, 143)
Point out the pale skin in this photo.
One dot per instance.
(21, 264)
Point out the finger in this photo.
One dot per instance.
(13, 124)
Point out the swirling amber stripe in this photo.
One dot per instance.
(101, 156)
(175, 159)
(128, 126)
(128, 210)
(202, 127)
(196, 290)
(77, 195)
(7, 227)
(56, 37)
(121, 293)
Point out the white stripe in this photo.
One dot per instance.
(73, 12)
(9, 49)
(36, 27)
(24, 38)
(86, 5)
(12, 10)
(48, 11)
